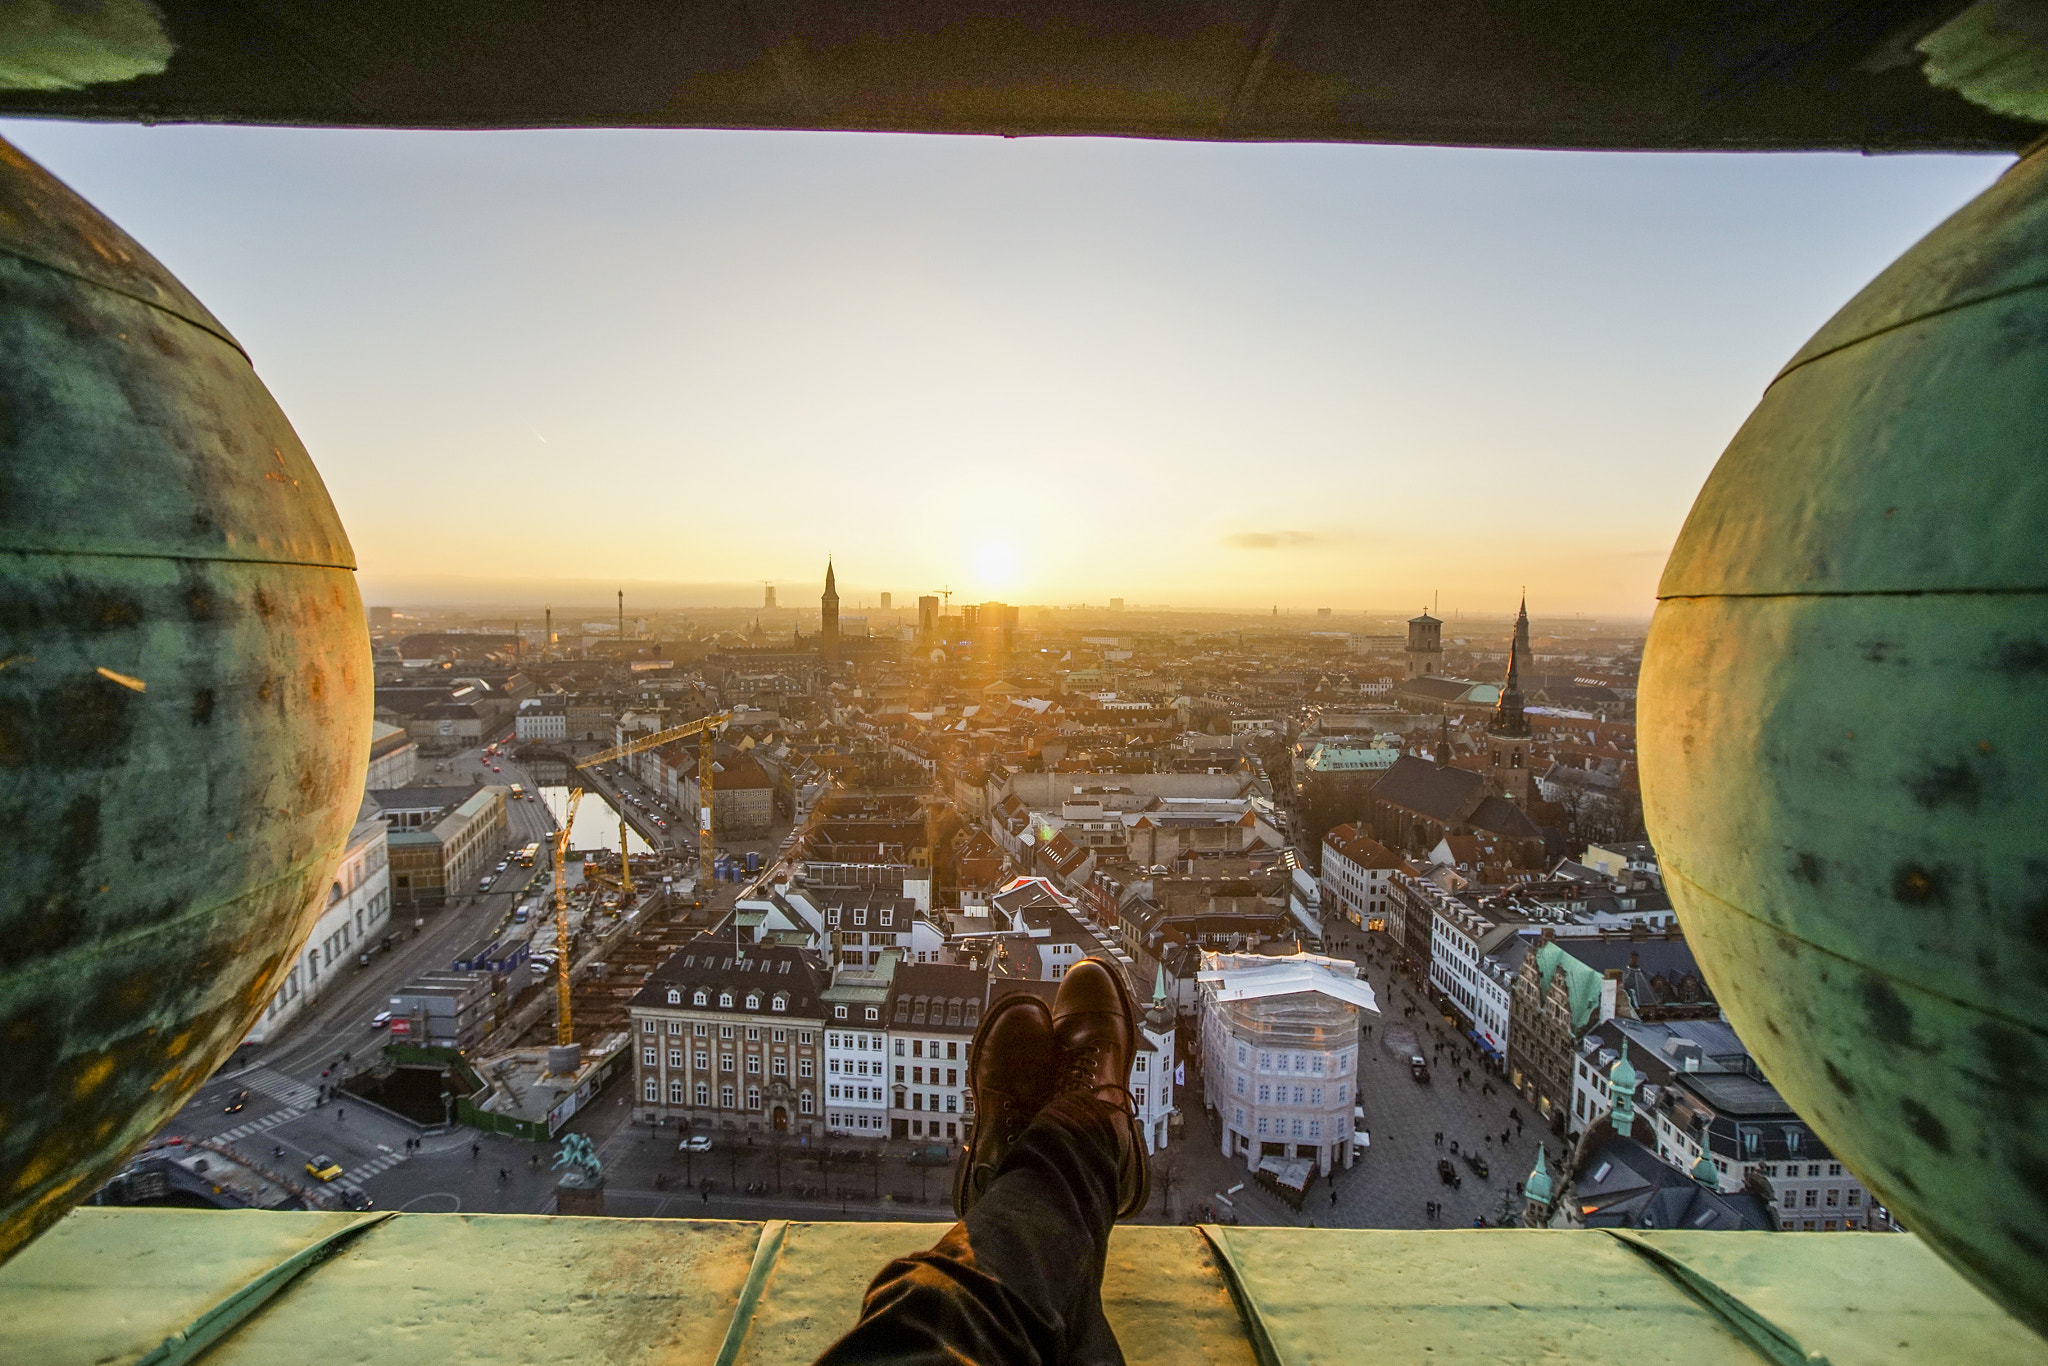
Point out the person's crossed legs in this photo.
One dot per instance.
(1056, 1158)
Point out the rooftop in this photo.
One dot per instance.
(116, 1285)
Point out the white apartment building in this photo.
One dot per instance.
(934, 1009)
(857, 1049)
(1473, 961)
(1155, 1076)
(1280, 1054)
(539, 719)
(358, 910)
(1356, 869)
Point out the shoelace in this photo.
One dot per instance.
(1079, 1075)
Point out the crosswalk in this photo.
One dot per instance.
(363, 1171)
(278, 1086)
(263, 1125)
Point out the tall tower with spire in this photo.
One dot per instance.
(1539, 1193)
(828, 613)
(1523, 660)
(1507, 735)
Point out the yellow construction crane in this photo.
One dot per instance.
(705, 727)
(562, 1032)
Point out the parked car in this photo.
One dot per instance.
(485, 885)
(235, 1103)
(931, 1155)
(323, 1166)
(1418, 1069)
(381, 1018)
(503, 864)
(695, 1143)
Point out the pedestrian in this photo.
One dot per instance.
(1333, 1188)
(476, 1150)
(340, 1115)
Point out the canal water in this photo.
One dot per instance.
(597, 821)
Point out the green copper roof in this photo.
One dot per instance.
(1538, 1187)
(122, 1287)
(1581, 981)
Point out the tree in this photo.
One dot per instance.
(1165, 1175)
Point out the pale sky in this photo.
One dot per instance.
(1045, 371)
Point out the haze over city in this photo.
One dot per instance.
(541, 366)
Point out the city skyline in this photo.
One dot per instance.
(1044, 371)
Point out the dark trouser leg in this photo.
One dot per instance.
(1019, 1281)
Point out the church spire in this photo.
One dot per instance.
(1538, 1193)
(1507, 713)
(1521, 657)
(828, 613)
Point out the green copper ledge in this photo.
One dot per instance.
(233, 1288)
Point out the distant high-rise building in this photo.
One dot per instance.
(888, 602)
(1116, 604)
(380, 618)
(1425, 646)
(1322, 614)
(828, 613)
(768, 597)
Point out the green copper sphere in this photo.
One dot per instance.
(185, 696)
(1844, 714)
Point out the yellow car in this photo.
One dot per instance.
(323, 1166)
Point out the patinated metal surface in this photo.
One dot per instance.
(185, 696)
(1536, 73)
(637, 1292)
(1844, 714)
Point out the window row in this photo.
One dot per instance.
(777, 1067)
(1278, 1095)
(857, 1042)
(725, 1031)
(700, 997)
(726, 1096)
(1280, 1128)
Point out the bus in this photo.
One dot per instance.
(529, 854)
(519, 793)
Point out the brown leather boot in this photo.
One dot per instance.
(1095, 1023)
(1011, 1070)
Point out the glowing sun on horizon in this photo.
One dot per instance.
(995, 563)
